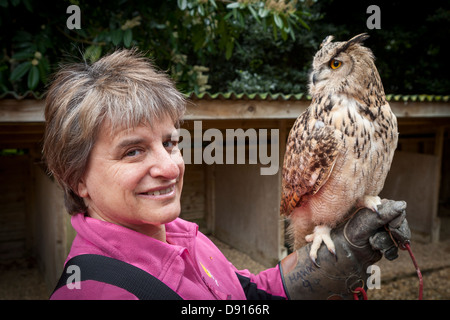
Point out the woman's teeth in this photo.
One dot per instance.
(159, 192)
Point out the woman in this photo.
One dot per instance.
(111, 143)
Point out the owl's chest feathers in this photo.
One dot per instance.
(355, 124)
(363, 133)
(347, 116)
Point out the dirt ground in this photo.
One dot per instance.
(399, 281)
(21, 280)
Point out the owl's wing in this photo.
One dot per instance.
(311, 153)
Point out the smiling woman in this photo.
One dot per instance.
(122, 89)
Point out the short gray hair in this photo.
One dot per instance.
(123, 88)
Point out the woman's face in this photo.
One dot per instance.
(134, 177)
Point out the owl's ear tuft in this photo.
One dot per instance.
(360, 38)
(326, 41)
(355, 40)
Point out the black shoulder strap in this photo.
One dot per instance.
(120, 274)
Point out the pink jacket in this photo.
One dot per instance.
(190, 264)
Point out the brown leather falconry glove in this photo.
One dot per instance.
(359, 242)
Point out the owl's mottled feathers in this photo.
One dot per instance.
(340, 149)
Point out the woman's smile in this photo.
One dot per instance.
(159, 193)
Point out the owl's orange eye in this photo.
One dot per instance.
(334, 64)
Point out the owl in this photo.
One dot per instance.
(340, 149)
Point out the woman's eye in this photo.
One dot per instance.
(170, 144)
(133, 153)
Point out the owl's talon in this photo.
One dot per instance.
(314, 261)
(371, 202)
(333, 252)
(321, 234)
(375, 210)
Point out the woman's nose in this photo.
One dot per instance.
(165, 165)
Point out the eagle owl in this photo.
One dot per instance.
(340, 149)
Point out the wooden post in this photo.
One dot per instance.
(438, 150)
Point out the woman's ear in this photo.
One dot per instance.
(82, 189)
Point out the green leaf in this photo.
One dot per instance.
(284, 35)
(278, 21)
(92, 53)
(303, 23)
(233, 5)
(20, 70)
(44, 69)
(127, 37)
(229, 49)
(22, 55)
(182, 4)
(201, 10)
(240, 18)
(227, 16)
(28, 5)
(254, 14)
(33, 77)
(292, 33)
(275, 32)
(263, 12)
(116, 36)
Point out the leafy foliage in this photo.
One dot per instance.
(225, 45)
(180, 36)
